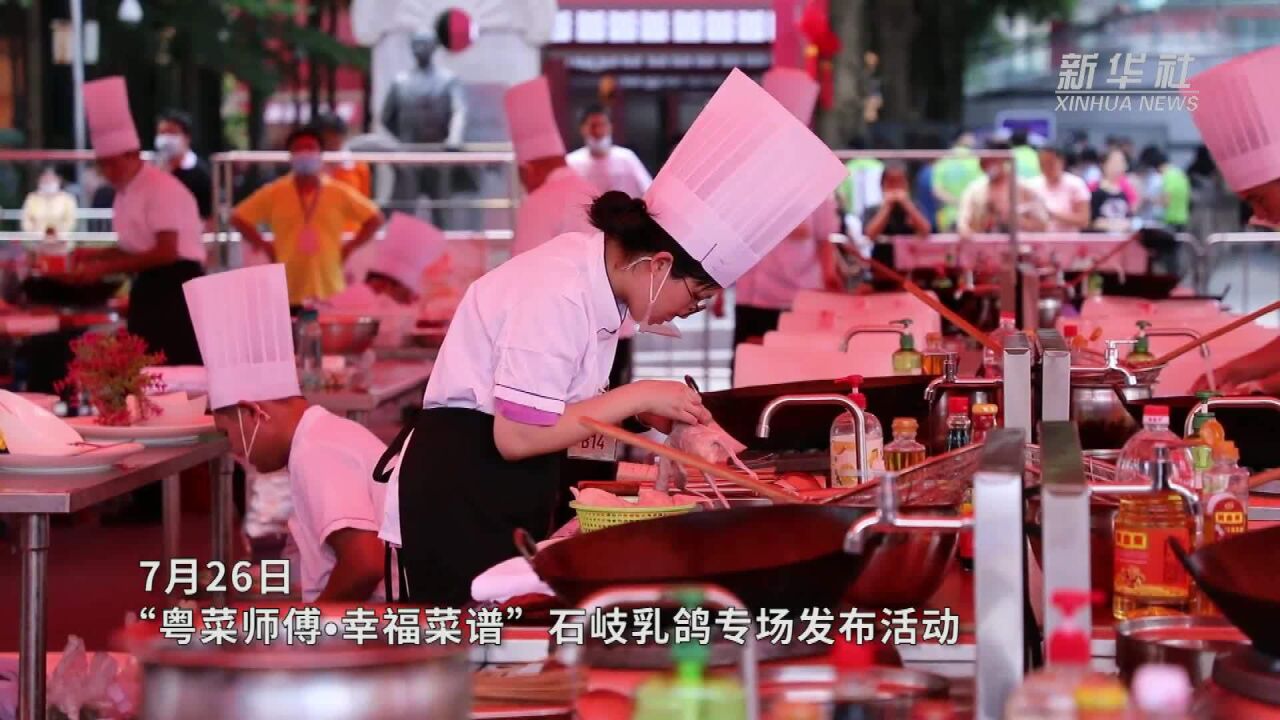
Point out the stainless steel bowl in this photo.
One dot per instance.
(343, 335)
(1049, 309)
(881, 693)
(1192, 642)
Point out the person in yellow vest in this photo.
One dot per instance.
(307, 213)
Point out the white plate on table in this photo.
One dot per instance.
(90, 460)
(177, 433)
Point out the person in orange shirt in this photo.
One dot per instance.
(333, 135)
(307, 213)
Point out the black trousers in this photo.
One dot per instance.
(158, 312)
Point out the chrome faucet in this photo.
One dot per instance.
(950, 377)
(886, 518)
(898, 330)
(1239, 402)
(1113, 359)
(859, 419)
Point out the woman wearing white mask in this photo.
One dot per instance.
(529, 350)
(50, 209)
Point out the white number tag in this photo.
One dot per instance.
(596, 447)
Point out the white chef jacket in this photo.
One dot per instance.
(331, 463)
(559, 206)
(619, 170)
(793, 265)
(155, 201)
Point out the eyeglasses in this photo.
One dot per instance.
(697, 304)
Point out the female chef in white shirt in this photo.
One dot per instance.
(530, 347)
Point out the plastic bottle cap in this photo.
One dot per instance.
(901, 426)
(859, 399)
(1226, 450)
(986, 409)
(1155, 411)
(1160, 688)
(1008, 316)
(958, 405)
(1068, 642)
(854, 381)
(1070, 330)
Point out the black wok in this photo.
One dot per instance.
(1238, 575)
(45, 290)
(778, 557)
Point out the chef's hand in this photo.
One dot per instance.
(717, 305)
(672, 400)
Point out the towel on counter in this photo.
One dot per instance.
(510, 578)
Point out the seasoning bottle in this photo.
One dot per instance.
(310, 350)
(1226, 494)
(1141, 353)
(907, 360)
(1093, 286)
(691, 692)
(844, 445)
(985, 419)
(992, 361)
(959, 426)
(904, 451)
(1148, 579)
(935, 358)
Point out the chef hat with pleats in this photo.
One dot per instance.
(744, 176)
(407, 247)
(106, 108)
(241, 319)
(794, 89)
(1238, 113)
(531, 121)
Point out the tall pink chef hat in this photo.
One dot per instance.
(106, 107)
(744, 176)
(407, 247)
(531, 120)
(1238, 112)
(794, 89)
(241, 319)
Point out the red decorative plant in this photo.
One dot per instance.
(108, 367)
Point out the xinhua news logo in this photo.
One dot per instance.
(1125, 85)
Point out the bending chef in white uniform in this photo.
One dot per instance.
(242, 323)
(805, 260)
(558, 197)
(528, 353)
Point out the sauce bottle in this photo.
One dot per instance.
(844, 445)
(985, 419)
(907, 360)
(904, 451)
(935, 358)
(959, 426)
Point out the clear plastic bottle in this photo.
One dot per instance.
(1049, 693)
(906, 359)
(959, 426)
(310, 350)
(1161, 692)
(992, 361)
(905, 451)
(935, 357)
(1149, 580)
(985, 419)
(844, 445)
(1226, 494)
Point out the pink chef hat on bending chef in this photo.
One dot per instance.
(106, 107)
(1238, 113)
(794, 89)
(531, 121)
(744, 176)
(241, 319)
(407, 247)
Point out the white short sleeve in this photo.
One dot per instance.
(538, 351)
(172, 208)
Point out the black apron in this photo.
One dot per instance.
(158, 312)
(461, 503)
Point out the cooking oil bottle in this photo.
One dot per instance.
(1148, 579)
(904, 451)
(1206, 434)
(907, 360)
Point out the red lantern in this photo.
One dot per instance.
(821, 47)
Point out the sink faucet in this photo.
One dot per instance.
(869, 330)
(859, 419)
(1238, 402)
(1113, 359)
(886, 518)
(949, 377)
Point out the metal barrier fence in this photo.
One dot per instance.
(1241, 248)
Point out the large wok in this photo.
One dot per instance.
(778, 557)
(1238, 575)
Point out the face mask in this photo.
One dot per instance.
(169, 145)
(665, 329)
(600, 145)
(49, 187)
(306, 163)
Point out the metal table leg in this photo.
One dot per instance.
(222, 512)
(171, 522)
(31, 643)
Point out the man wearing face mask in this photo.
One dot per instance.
(174, 153)
(242, 322)
(307, 212)
(984, 207)
(603, 164)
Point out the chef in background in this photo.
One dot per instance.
(603, 164)
(805, 260)
(558, 197)
(49, 210)
(157, 224)
(393, 283)
(174, 153)
(1238, 113)
(242, 320)
(528, 353)
(307, 212)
